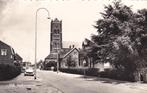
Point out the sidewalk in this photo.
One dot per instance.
(26, 84)
(27, 89)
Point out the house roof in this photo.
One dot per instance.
(90, 43)
(18, 57)
(1, 42)
(12, 50)
(70, 52)
(64, 51)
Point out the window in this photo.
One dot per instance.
(75, 52)
(56, 31)
(3, 52)
(56, 45)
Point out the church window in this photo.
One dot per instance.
(56, 31)
(56, 36)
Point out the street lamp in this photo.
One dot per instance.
(36, 37)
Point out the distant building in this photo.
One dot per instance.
(26, 64)
(57, 52)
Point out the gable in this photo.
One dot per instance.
(2, 45)
(73, 51)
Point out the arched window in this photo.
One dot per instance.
(57, 31)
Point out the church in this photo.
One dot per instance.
(63, 56)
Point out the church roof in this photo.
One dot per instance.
(56, 20)
(51, 56)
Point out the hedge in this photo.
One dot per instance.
(107, 73)
(117, 74)
(9, 71)
(81, 71)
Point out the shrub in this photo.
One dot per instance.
(117, 74)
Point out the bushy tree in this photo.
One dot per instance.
(122, 35)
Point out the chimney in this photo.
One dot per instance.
(73, 46)
(70, 46)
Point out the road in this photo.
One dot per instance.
(51, 82)
(70, 83)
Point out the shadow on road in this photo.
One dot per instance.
(103, 80)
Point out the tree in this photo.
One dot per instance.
(90, 52)
(125, 34)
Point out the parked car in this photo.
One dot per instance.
(29, 72)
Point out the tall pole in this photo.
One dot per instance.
(36, 38)
(58, 61)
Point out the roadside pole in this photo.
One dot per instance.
(57, 62)
(84, 63)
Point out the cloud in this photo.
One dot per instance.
(17, 22)
(3, 5)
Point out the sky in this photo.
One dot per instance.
(17, 22)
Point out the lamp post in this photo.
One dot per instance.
(36, 37)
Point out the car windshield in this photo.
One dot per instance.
(29, 70)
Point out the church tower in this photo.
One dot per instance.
(56, 36)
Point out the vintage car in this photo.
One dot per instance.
(29, 72)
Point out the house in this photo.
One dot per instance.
(7, 54)
(69, 58)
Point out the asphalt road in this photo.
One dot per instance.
(51, 82)
(70, 83)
